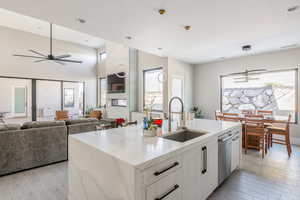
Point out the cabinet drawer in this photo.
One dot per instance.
(167, 188)
(162, 169)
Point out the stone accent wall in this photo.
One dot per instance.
(260, 98)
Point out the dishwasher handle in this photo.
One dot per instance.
(225, 138)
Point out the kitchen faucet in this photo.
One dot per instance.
(182, 113)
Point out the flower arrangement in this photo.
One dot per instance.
(150, 125)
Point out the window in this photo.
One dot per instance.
(103, 91)
(153, 89)
(69, 97)
(272, 90)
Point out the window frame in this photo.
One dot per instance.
(268, 71)
(144, 72)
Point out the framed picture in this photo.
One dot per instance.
(69, 97)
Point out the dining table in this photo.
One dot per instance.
(268, 120)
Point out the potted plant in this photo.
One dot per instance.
(198, 113)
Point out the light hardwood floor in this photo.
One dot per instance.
(274, 178)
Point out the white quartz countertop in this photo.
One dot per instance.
(129, 144)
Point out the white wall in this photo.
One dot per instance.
(207, 78)
(186, 71)
(18, 42)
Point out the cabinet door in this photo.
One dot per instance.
(192, 167)
(209, 176)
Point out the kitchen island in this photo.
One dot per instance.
(122, 164)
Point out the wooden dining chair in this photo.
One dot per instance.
(254, 116)
(247, 112)
(231, 117)
(62, 115)
(96, 114)
(256, 128)
(280, 131)
(218, 115)
(264, 112)
(231, 114)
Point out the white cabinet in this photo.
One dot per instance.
(200, 170)
(235, 151)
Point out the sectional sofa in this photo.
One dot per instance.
(36, 144)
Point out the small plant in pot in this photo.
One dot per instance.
(198, 113)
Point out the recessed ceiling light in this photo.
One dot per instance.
(162, 11)
(187, 28)
(80, 20)
(292, 9)
(128, 37)
(246, 47)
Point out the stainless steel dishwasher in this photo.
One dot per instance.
(225, 148)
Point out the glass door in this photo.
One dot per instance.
(20, 103)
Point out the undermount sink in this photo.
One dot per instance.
(184, 135)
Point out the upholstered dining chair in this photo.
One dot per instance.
(283, 131)
(62, 115)
(256, 128)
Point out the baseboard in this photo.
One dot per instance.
(295, 140)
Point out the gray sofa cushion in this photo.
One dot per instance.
(41, 124)
(81, 120)
(10, 127)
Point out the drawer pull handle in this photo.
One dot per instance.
(164, 170)
(168, 193)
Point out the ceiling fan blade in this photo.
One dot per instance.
(33, 51)
(66, 60)
(257, 70)
(238, 73)
(28, 56)
(58, 62)
(63, 56)
(40, 60)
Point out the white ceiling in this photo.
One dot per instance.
(219, 28)
(40, 27)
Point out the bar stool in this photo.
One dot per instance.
(281, 131)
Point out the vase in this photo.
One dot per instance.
(149, 133)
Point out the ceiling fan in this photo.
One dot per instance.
(61, 59)
(247, 75)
